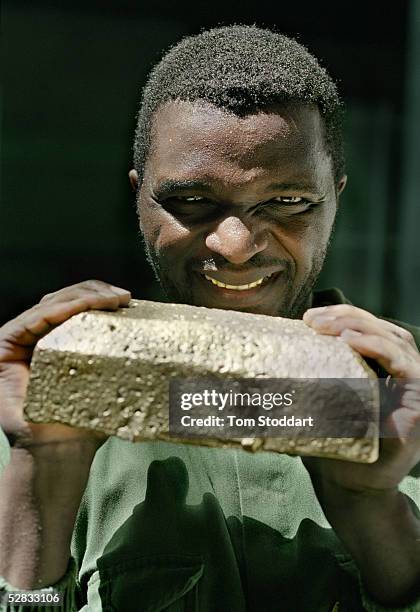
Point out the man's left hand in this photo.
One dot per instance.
(373, 519)
(394, 349)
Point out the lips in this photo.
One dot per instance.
(239, 276)
(238, 287)
(262, 298)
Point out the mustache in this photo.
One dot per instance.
(219, 263)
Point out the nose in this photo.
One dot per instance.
(235, 241)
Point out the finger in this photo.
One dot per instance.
(13, 352)
(79, 289)
(401, 361)
(81, 292)
(404, 424)
(334, 325)
(29, 327)
(401, 332)
(347, 310)
(337, 310)
(410, 397)
(104, 297)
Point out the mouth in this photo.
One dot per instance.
(244, 287)
(260, 294)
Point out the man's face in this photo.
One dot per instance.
(236, 212)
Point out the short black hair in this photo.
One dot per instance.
(242, 69)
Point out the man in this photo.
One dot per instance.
(238, 173)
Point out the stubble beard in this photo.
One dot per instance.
(294, 302)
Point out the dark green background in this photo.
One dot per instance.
(72, 78)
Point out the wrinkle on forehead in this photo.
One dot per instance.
(200, 137)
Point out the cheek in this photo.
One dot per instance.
(172, 236)
(304, 238)
(161, 231)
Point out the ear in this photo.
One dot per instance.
(134, 179)
(341, 185)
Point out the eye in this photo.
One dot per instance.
(285, 206)
(289, 203)
(192, 199)
(188, 202)
(290, 199)
(191, 208)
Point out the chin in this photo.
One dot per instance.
(276, 303)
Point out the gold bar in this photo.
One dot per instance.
(110, 371)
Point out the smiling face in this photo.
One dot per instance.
(236, 212)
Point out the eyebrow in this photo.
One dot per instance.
(305, 187)
(171, 186)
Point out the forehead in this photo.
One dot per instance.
(191, 139)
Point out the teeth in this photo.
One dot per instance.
(235, 287)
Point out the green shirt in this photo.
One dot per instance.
(174, 528)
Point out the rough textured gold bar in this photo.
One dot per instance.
(110, 371)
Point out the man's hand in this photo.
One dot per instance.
(17, 342)
(362, 502)
(42, 486)
(395, 350)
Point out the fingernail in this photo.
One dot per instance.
(322, 319)
(313, 312)
(119, 290)
(350, 333)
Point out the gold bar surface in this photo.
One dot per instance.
(110, 371)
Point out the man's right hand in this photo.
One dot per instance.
(17, 342)
(42, 486)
